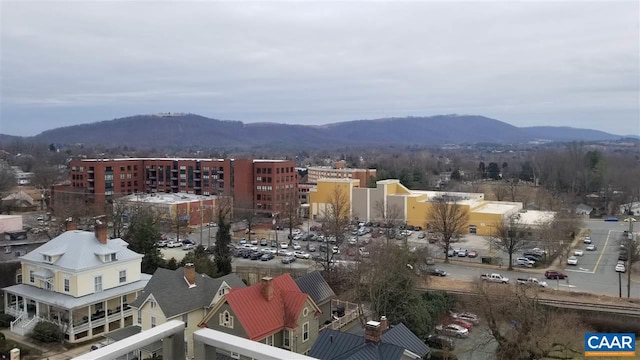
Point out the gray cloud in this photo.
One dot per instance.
(526, 63)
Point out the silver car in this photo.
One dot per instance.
(452, 330)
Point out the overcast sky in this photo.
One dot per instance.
(525, 63)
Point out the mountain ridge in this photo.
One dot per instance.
(192, 130)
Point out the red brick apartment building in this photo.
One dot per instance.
(262, 184)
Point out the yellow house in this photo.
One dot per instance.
(180, 294)
(81, 281)
(392, 200)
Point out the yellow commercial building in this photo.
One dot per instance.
(392, 200)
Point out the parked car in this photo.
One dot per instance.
(284, 245)
(463, 253)
(466, 316)
(173, 244)
(301, 255)
(266, 257)
(611, 219)
(496, 278)
(335, 250)
(254, 241)
(274, 243)
(578, 253)
(161, 243)
(263, 242)
(523, 261)
(553, 274)
(572, 260)
(187, 247)
(437, 272)
(460, 322)
(531, 281)
(421, 235)
(620, 267)
(296, 246)
(591, 248)
(255, 255)
(472, 254)
(587, 240)
(439, 342)
(243, 241)
(288, 259)
(311, 248)
(452, 330)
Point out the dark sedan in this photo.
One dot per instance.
(266, 257)
(437, 272)
(552, 274)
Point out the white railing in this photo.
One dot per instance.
(16, 322)
(24, 328)
(352, 312)
(14, 311)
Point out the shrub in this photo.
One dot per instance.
(47, 332)
(5, 320)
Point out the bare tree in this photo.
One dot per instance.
(389, 215)
(448, 219)
(7, 180)
(522, 328)
(334, 219)
(509, 236)
(244, 211)
(499, 190)
(44, 177)
(290, 216)
(632, 249)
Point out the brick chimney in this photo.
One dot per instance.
(384, 323)
(267, 287)
(190, 274)
(101, 232)
(372, 332)
(69, 224)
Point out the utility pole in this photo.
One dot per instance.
(619, 284)
(633, 249)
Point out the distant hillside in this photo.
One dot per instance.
(189, 130)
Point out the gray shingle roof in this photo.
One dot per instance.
(78, 249)
(401, 335)
(336, 345)
(314, 285)
(173, 295)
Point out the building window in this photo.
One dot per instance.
(221, 291)
(97, 284)
(67, 285)
(226, 319)
(234, 355)
(305, 312)
(185, 319)
(48, 258)
(269, 340)
(31, 277)
(19, 279)
(286, 338)
(305, 332)
(153, 321)
(140, 317)
(152, 303)
(123, 276)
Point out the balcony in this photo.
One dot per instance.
(206, 344)
(152, 177)
(196, 170)
(174, 170)
(90, 171)
(90, 180)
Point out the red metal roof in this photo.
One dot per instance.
(260, 317)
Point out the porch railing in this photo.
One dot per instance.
(16, 321)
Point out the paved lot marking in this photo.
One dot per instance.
(602, 252)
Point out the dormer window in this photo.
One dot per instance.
(47, 258)
(110, 257)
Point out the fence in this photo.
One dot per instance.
(253, 274)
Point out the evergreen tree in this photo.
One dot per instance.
(202, 262)
(142, 236)
(223, 239)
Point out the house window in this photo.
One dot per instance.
(140, 317)
(269, 340)
(48, 258)
(286, 338)
(185, 320)
(305, 312)
(113, 257)
(19, 279)
(235, 355)
(153, 321)
(221, 291)
(123, 276)
(97, 284)
(305, 332)
(67, 285)
(32, 279)
(226, 319)
(152, 303)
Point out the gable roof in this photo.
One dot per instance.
(315, 286)
(400, 335)
(336, 345)
(78, 251)
(174, 296)
(260, 317)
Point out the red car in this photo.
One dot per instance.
(553, 274)
(465, 324)
(472, 254)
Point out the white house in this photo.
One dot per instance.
(79, 280)
(630, 208)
